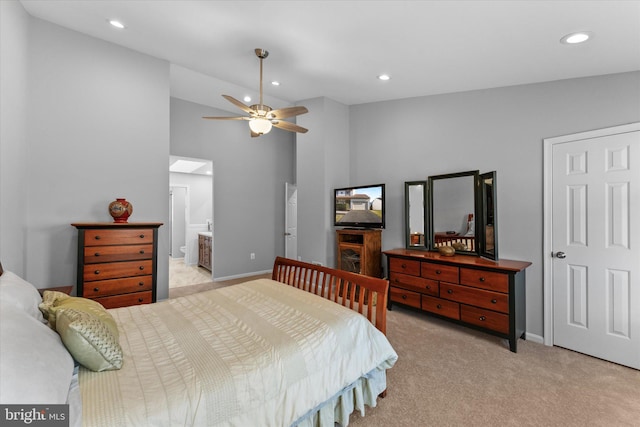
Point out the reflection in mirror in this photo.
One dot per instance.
(489, 226)
(414, 204)
(453, 211)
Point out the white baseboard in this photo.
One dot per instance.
(534, 338)
(240, 276)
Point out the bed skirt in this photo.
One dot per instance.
(363, 392)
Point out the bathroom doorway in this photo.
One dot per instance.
(191, 216)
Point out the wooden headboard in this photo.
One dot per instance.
(364, 294)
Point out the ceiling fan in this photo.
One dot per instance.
(261, 117)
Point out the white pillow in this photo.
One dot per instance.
(35, 366)
(18, 293)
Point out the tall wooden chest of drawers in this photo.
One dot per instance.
(482, 294)
(117, 262)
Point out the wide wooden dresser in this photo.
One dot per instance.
(117, 262)
(469, 290)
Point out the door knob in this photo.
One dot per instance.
(560, 255)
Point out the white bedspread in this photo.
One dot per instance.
(259, 353)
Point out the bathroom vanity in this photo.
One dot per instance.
(204, 249)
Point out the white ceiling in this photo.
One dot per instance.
(337, 48)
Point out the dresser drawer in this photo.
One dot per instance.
(413, 283)
(445, 273)
(94, 254)
(100, 288)
(441, 306)
(115, 270)
(485, 318)
(99, 237)
(477, 297)
(126, 299)
(400, 265)
(404, 297)
(485, 279)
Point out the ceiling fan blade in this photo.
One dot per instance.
(239, 104)
(227, 118)
(289, 126)
(283, 113)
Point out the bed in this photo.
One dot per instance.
(258, 353)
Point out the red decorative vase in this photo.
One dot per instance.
(120, 210)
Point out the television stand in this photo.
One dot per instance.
(359, 251)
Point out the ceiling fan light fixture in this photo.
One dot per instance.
(260, 126)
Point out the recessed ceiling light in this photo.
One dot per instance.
(247, 98)
(384, 77)
(116, 23)
(275, 83)
(575, 38)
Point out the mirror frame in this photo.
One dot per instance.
(477, 208)
(407, 215)
(481, 225)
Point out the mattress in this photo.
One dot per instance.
(259, 353)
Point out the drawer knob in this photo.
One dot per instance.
(404, 297)
(141, 267)
(482, 318)
(428, 286)
(97, 237)
(482, 279)
(494, 301)
(140, 283)
(142, 236)
(141, 251)
(449, 291)
(439, 306)
(96, 289)
(397, 280)
(96, 254)
(96, 272)
(404, 266)
(438, 272)
(140, 299)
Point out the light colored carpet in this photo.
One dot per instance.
(448, 375)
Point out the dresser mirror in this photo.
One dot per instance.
(415, 199)
(454, 206)
(488, 224)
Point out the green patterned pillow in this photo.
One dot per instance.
(89, 339)
(53, 301)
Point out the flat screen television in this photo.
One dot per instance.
(359, 206)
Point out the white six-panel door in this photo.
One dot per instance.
(595, 239)
(291, 221)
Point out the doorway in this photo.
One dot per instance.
(592, 236)
(191, 215)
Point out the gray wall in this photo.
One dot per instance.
(97, 129)
(322, 163)
(14, 24)
(498, 129)
(249, 190)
